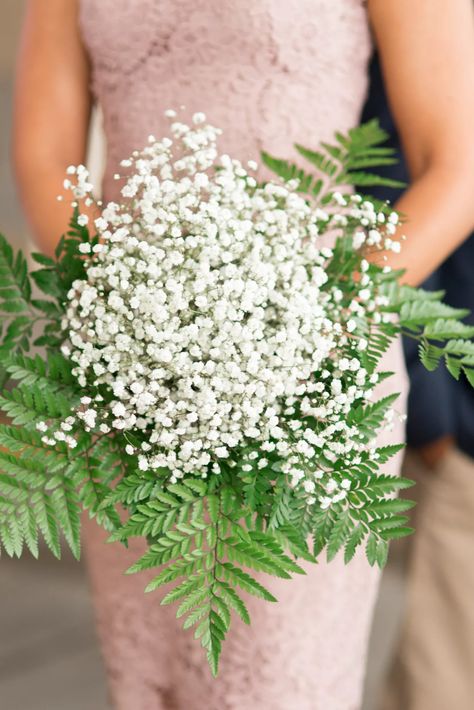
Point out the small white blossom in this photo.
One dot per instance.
(206, 313)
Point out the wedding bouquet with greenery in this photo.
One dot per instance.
(212, 348)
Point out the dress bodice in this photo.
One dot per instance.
(268, 72)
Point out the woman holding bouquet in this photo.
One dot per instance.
(270, 74)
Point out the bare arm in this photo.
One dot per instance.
(52, 110)
(427, 54)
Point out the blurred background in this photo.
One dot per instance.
(49, 657)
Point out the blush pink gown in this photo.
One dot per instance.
(269, 72)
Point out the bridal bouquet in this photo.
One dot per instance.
(212, 348)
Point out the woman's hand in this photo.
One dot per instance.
(427, 54)
(51, 113)
(433, 454)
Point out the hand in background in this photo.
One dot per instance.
(435, 451)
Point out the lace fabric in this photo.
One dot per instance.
(270, 73)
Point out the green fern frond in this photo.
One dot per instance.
(197, 540)
(417, 313)
(26, 405)
(448, 328)
(339, 534)
(16, 287)
(341, 164)
(33, 500)
(369, 418)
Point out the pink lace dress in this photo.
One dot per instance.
(269, 72)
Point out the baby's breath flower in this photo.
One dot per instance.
(207, 315)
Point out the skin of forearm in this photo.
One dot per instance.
(438, 214)
(48, 217)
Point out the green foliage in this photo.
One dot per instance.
(42, 488)
(197, 540)
(35, 499)
(341, 164)
(369, 418)
(370, 515)
(20, 311)
(15, 298)
(24, 405)
(438, 327)
(52, 372)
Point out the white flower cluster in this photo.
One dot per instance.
(60, 435)
(204, 313)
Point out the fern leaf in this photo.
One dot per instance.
(469, 373)
(240, 578)
(65, 503)
(192, 584)
(397, 533)
(417, 313)
(29, 528)
(371, 549)
(339, 534)
(233, 600)
(446, 328)
(389, 506)
(195, 616)
(274, 551)
(430, 355)
(222, 610)
(253, 556)
(295, 541)
(352, 543)
(14, 275)
(453, 365)
(46, 521)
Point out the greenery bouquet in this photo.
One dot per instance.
(212, 348)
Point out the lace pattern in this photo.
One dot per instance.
(270, 73)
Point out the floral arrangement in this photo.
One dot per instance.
(212, 348)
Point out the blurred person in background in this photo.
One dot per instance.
(433, 668)
(269, 74)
